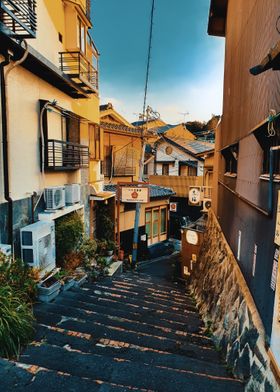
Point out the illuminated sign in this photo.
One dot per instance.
(192, 237)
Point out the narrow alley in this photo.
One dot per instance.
(139, 331)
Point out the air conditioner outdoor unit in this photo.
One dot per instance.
(206, 205)
(72, 193)
(55, 197)
(6, 249)
(38, 246)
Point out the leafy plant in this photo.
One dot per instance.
(16, 321)
(72, 261)
(68, 234)
(111, 245)
(88, 249)
(19, 276)
(102, 246)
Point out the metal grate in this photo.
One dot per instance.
(66, 156)
(18, 18)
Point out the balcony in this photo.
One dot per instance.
(179, 184)
(18, 18)
(124, 171)
(61, 155)
(80, 70)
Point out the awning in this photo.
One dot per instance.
(102, 196)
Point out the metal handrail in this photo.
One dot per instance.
(76, 65)
(19, 16)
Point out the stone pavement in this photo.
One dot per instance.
(137, 332)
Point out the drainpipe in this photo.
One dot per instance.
(270, 190)
(5, 150)
(5, 136)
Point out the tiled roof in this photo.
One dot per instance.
(164, 128)
(106, 106)
(192, 146)
(156, 191)
(119, 127)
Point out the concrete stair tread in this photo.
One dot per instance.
(152, 297)
(122, 350)
(124, 323)
(132, 316)
(103, 331)
(127, 373)
(130, 304)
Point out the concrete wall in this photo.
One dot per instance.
(228, 308)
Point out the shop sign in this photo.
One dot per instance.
(192, 237)
(195, 196)
(135, 194)
(274, 270)
(173, 207)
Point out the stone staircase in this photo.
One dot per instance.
(133, 333)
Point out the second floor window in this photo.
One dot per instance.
(81, 36)
(165, 169)
(230, 155)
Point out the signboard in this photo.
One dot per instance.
(192, 237)
(173, 207)
(195, 195)
(135, 194)
(277, 228)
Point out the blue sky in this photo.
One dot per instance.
(186, 65)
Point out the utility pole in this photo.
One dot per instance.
(144, 128)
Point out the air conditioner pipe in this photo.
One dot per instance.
(5, 135)
(270, 190)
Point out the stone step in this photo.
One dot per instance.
(31, 378)
(144, 295)
(176, 295)
(126, 300)
(122, 372)
(122, 350)
(193, 325)
(100, 331)
(144, 280)
(140, 327)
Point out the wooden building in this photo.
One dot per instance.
(248, 156)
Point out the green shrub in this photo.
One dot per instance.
(69, 232)
(19, 276)
(88, 249)
(16, 321)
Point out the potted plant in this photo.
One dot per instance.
(111, 247)
(48, 289)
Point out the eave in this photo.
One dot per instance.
(217, 18)
(40, 66)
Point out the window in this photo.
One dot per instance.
(156, 224)
(81, 36)
(268, 139)
(165, 169)
(192, 171)
(107, 161)
(94, 137)
(148, 223)
(230, 155)
(163, 220)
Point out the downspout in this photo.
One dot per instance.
(270, 190)
(5, 136)
(5, 150)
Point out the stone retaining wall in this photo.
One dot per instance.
(228, 309)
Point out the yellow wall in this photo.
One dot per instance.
(127, 218)
(24, 90)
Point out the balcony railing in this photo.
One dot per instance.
(80, 70)
(62, 155)
(18, 18)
